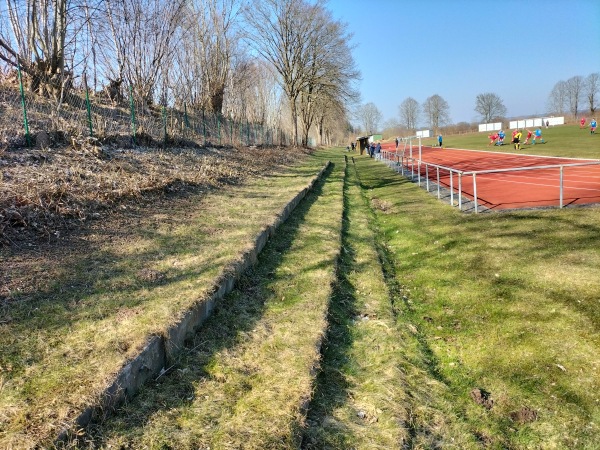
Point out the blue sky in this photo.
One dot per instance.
(517, 49)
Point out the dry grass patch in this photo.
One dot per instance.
(101, 293)
(358, 401)
(246, 378)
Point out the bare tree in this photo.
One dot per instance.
(574, 91)
(557, 100)
(393, 127)
(409, 111)
(436, 111)
(370, 117)
(216, 34)
(253, 93)
(331, 121)
(280, 31)
(144, 32)
(331, 71)
(592, 87)
(490, 106)
(39, 28)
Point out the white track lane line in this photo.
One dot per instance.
(554, 186)
(567, 178)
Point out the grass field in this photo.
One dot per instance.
(445, 331)
(506, 304)
(561, 140)
(439, 329)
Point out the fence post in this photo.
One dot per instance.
(219, 127)
(132, 107)
(203, 126)
(164, 114)
(438, 182)
(88, 106)
(25, 122)
(460, 191)
(185, 115)
(451, 189)
(561, 186)
(475, 191)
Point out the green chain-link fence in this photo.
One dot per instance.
(77, 113)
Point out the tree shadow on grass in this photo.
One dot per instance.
(331, 390)
(233, 318)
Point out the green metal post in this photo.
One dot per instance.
(132, 107)
(89, 108)
(219, 127)
(186, 120)
(164, 114)
(25, 122)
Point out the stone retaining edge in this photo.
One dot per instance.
(160, 350)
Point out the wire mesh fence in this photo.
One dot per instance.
(32, 116)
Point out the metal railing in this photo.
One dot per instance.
(400, 163)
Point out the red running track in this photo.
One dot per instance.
(538, 187)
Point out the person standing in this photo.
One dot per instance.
(397, 143)
(538, 135)
(517, 139)
(440, 140)
(378, 151)
(593, 126)
(582, 123)
(501, 137)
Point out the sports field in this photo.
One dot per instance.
(503, 180)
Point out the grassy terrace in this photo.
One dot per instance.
(62, 344)
(246, 379)
(439, 329)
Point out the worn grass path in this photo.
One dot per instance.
(62, 343)
(379, 386)
(359, 401)
(246, 379)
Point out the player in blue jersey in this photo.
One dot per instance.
(538, 135)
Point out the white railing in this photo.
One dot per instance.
(399, 162)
